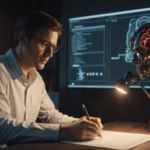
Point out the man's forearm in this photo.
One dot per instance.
(14, 131)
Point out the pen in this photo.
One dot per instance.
(86, 113)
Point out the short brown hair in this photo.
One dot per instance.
(32, 20)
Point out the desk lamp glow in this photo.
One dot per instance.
(123, 85)
(140, 46)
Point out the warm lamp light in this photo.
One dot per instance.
(122, 91)
(123, 85)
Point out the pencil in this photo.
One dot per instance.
(86, 113)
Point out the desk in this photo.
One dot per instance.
(112, 126)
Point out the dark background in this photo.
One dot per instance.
(108, 104)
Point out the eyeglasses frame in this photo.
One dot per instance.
(54, 47)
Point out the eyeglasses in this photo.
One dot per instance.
(47, 44)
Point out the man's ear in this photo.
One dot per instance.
(22, 37)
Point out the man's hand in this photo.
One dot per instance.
(82, 129)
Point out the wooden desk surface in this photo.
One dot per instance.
(113, 126)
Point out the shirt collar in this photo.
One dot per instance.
(16, 68)
(14, 64)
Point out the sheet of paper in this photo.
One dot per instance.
(115, 140)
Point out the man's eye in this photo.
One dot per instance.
(45, 45)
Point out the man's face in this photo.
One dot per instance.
(35, 53)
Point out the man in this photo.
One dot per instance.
(23, 97)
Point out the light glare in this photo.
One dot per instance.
(121, 90)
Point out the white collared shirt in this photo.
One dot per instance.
(22, 101)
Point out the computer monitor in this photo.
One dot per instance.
(99, 48)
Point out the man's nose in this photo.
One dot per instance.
(49, 52)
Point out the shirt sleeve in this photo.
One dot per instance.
(13, 131)
(48, 113)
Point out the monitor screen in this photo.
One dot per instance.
(99, 48)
